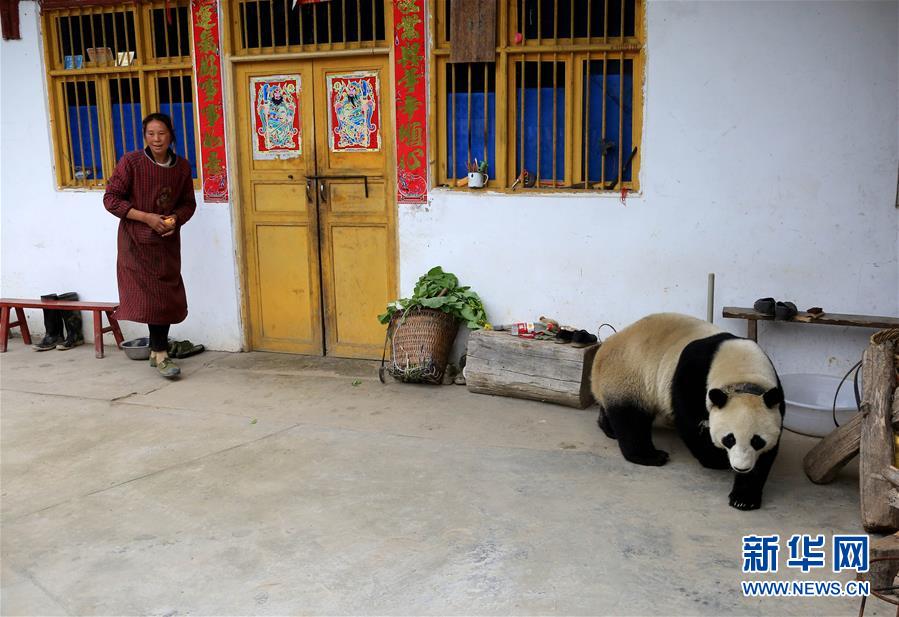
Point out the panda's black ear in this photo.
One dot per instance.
(774, 396)
(718, 397)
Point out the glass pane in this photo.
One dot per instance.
(176, 100)
(539, 131)
(171, 32)
(104, 39)
(603, 148)
(127, 114)
(474, 139)
(83, 127)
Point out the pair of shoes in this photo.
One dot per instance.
(63, 328)
(582, 338)
(564, 336)
(765, 306)
(781, 311)
(184, 349)
(166, 367)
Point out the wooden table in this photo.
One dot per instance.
(752, 318)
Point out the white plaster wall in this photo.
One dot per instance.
(55, 241)
(769, 158)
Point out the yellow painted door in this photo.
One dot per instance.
(356, 214)
(279, 220)
(320, 255)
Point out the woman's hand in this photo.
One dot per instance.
(162, 225)
(171, 222)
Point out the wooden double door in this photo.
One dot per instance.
(319, 224)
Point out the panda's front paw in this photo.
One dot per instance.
(655, 459)
(745, 502)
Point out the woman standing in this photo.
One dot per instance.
(152, 192)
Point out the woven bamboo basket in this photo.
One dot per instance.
(419, 343)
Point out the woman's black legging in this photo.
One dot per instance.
(159, 337)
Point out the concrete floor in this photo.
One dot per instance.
(275, 484)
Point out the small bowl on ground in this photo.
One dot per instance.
(137, 349)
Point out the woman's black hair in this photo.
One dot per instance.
(160, 118)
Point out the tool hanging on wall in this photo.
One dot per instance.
(613, 183)
(525, 179)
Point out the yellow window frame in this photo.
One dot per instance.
(573, 52)
(145, 67)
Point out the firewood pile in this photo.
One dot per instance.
(870, 434)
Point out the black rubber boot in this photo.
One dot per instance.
(52, 325)
(73, 324)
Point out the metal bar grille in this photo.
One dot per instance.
(541, 102)
(470, 127)
(585, 20)
(277, 26)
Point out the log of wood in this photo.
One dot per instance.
(882, 573)
(878, 516)
(501, 364)
(824, 461)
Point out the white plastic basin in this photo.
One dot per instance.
(809, 402)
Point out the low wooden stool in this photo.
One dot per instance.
(97, 308)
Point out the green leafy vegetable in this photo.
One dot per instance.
(440, 290)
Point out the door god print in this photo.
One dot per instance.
(354, 112)
(276, 117)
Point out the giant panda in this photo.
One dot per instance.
(721, 393)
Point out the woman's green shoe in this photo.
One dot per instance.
(166, 367)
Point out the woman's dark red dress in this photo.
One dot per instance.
(149, 266)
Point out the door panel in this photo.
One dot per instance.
(285, 281)
(348, 197)
(280, 226)
(271, 197)
(358, 239)
(360, 288)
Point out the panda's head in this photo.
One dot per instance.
(745, 423)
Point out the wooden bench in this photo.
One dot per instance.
(752, 318)
(98, 308)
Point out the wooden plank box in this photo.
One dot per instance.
(502, 364)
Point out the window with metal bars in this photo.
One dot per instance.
(279, 26)
(558, 109)
(107, 68)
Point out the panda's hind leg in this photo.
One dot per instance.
(632, 426)
(604, 424)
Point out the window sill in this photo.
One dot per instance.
(542, 193)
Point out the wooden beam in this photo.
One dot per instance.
(473, 35)
(892, 475)
(830, 319)
(9, 19)
(876, 455)
(824, 461)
